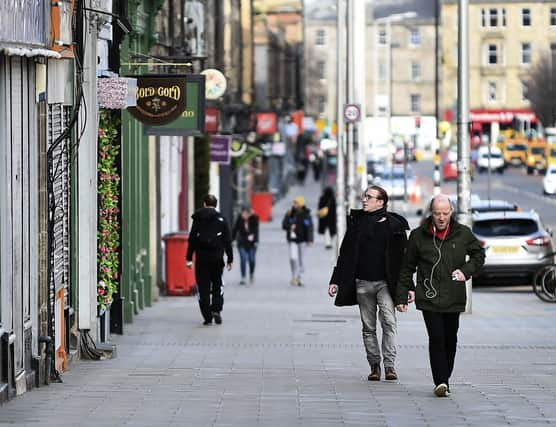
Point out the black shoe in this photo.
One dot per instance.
(390, 374)
(217, 318)
(375, 373)
(207, 322)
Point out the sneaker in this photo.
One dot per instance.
(441, 390)
(242, 282)
(293, 281)
(207, 322)
(299, 282)
(390, 374)
(375, 373)
(251, 279)
(217, 318)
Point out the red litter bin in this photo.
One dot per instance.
(180, 280)
(261, 204)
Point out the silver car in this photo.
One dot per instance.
(515, 243)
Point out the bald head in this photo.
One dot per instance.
(441, 210)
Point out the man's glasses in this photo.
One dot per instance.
(368, 197)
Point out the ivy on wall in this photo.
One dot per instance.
(108, 255)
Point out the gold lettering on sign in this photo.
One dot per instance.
(188, 114)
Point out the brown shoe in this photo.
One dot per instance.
(375, 373)
(390, 374)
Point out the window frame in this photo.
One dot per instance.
(320, 37)
(526, 18)
(523, 53)
(415, 100)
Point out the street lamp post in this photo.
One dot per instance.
(340, 162)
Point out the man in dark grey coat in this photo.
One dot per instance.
(366, 273)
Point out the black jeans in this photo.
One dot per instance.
(209, 282)
(443, 338)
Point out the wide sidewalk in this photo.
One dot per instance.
(286, 356)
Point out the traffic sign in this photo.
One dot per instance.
(352, 113)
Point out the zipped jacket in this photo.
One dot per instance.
(345, 269)
(434, 260)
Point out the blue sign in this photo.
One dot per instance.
(220, 148)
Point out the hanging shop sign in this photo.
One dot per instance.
(160, 99)
(266, 123)
(215, 83)
(238, 147)
(220, 148)
(212, 116)
(191, 122)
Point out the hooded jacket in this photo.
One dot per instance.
(435, 260)
(209, 220)
(345, 270)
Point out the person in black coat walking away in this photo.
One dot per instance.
(299, 231)
(366, 273)
(327, 216)
(246, 233)
(209, 239)
(445, 254)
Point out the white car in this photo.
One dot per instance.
(549, 180)
(496, 161)
(395, 182)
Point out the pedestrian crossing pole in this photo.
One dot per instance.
(436, 175)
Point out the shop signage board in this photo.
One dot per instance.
(220, 148)
(266, 123)
(191, 122)
(160, 99)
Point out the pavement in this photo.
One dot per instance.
(286, 356)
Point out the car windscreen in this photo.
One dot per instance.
(537, 150)
(388, 175)
(492, 156)
(505, 227)
(516, 147)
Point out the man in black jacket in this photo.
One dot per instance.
(208, 240)
(366, 273)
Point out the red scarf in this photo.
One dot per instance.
(440, 234)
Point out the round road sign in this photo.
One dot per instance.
(352, 113)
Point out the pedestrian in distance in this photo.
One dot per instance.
(327, 216)
(444, 253)
(209, 239)
(246, 234)
(299, 232)
(366, 273)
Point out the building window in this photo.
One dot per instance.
(381, 71)
(503, 17)
(491, 92)
(553, 50)
(525, 53)
(415, 71)
(382, 36)
(523, 92)
(414, 37)
(492, 54)
(415, 103)
(321, 69)
(553, 16)
(526, 17)
(493, 17)
(483, 18)
(320, 39)
(322, 104)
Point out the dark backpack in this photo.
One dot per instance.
(209, 235)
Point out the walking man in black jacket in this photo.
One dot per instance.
(445, 254)
(208, 240)
(366, 273)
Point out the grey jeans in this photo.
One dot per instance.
(370, 296)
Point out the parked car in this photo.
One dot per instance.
(392, 180)
(514, 242)
(490, 158)
(549, 180)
